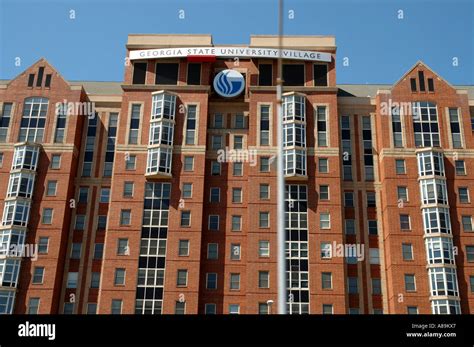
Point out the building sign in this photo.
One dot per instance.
(229, 83)
(229, 52)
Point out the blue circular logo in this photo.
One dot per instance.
(229, 83)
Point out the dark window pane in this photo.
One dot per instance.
(421, 77)
(47, 82)
(430, 85)
(39, 81)
(413, 84)
(194, 74)
(139, 73)
(320, 74)
(31, 79)
(293, 74)
(166, 73)
(265, 75)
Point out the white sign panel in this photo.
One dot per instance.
(244, 52)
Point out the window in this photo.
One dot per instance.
(470, 254)
(211, 280)
(1, 159)
(264, 191)
(236, 223)
(101, 222)
(238, 142)
(83, 194)
(104, 195)
(326, 280)
(265, 74)
(194, 74)
(467, 223)
(373, 228)
(47, 82)
(323, 165)
(402, 193)
(33, 305)
(264, 164)
(263, 279)
(239, 120)
(264, 248)
(460, 167)
(353, 310)
(421, 78)
(183, 248)
(122, 247)
(215, 195)
(128, 189)
(425, 124)
(21, 184)
(324, 192)
(43, 244)
(412, 310)
(76, 251)
(61, 113)
(55, 161)
(326, 250)
(471, 282)
(219, 121)
(456, 135)
(320, 75)
(134, 124)
(159, 160)
(188, 163)
(463, 195)
(397, 127)
(47, 217)
(110, 149)
(187, 191)
(400, 166)
(413, 84)
(264, 125)
(180, 307)
(116, 307)
(5, 121)
(139, 73)
(374, 257)
(166, 73)
(404, 222)
(349, 199)
(38, 275)
(214, 222)
(349, 227)
(264, 219)
(80, 222)
(216, 142)
(235, 251)
(352, 284)
(376, 286)
(125, 217)
(185, 218)
(293, 74)
(234, 281)
(327, 309)
(98, 251)
(119, 278)
(182, 278)
(234, 309)
(212, 251)
(31, 79)
(371, 199)
(210, 309)
(321, 124)
(33, 119)
(407, 251)
(263, 308)
(237, 195)
(91, 308)
(95, 280)
(410, 285)
(130, 163)
(190, 138)
(72, 280)
(324, 220)
(215, 168)
(237, 168)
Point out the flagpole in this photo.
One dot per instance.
(280, 176)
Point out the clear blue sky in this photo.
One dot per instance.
(380, 47)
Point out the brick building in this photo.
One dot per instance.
(158, 194)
